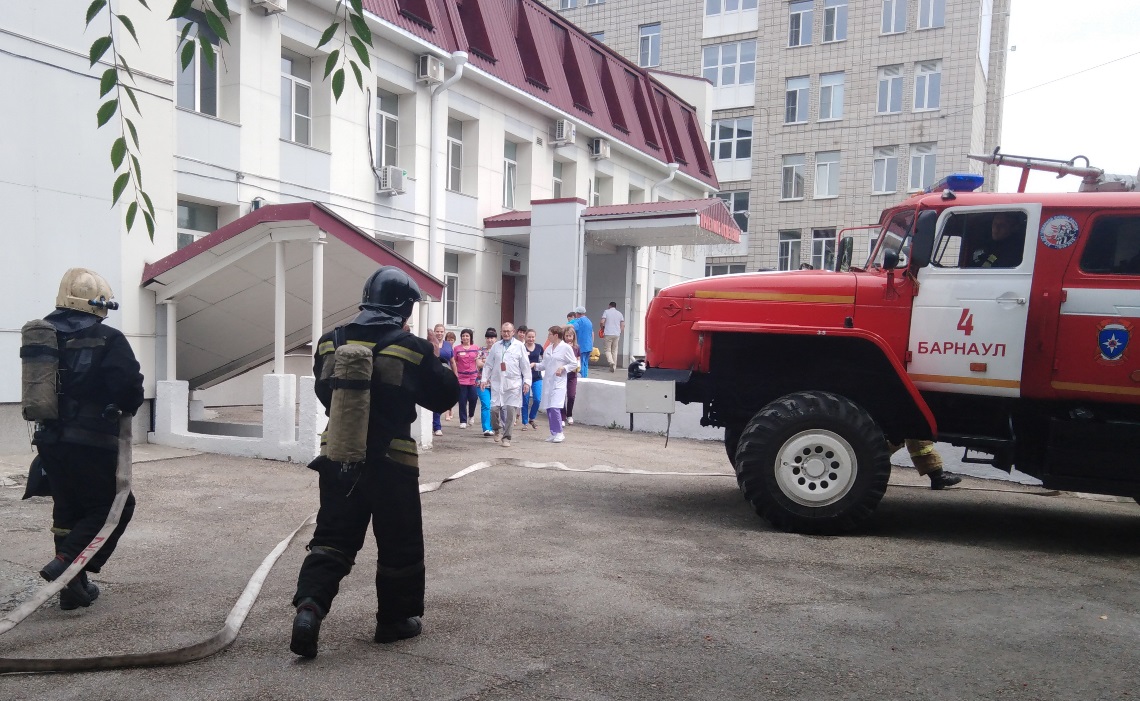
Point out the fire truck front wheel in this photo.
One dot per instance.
(813, 462)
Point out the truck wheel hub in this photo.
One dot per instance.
(816, 467)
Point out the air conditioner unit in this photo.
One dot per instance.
(429, 69)
(271, 7)
(391, 180)
(564, 132)
(599, 148)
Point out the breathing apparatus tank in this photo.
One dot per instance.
(351, 398)
(39, 361)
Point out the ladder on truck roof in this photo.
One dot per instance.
(1093, 179)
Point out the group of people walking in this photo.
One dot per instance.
(512, 378)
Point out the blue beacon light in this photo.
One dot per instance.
(958, 182)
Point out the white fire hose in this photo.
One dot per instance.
(228, 633)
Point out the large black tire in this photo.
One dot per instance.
(731, 442)
(813, 462)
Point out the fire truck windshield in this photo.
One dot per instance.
(893, 238)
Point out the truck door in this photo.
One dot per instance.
(968, 320)
(1100, 312)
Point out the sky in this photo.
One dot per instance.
(1095, 113)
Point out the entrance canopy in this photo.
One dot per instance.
(229, 311)
(704, 221)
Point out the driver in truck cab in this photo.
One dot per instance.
(1003, 245)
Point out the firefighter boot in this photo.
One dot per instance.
(942, 480)
(52, 570)
(78, 592)
(400, 630)
(306, 628)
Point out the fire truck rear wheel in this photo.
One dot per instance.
(813, 462)
(731, 443)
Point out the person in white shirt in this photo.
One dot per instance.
(557, 363)
(613, 326)
(507, 373)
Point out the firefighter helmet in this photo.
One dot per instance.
(85, 291)
(390, 291)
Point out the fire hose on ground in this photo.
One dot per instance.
(222, 639)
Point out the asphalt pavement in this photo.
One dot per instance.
(547, 584)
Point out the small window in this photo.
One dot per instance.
(451, 289)
(831, 96)
(885, 177)
(981, 240)
(823, 249)
(834, 20)
(792, 178)
(927, 86)
(556, 187)
(789, 251)
(731, 139)
(737, 204)
(894, 16)
(730, 64)
(931, 14)
(567, 4)
(510, 173)
(649, 47)
(724, 7)
(923, 162)
(454, 155)
(799, 23)
(826, 174)
(195, 221)
(890, 90)
(599, 37)
(296, 97)
(796, 100)
(723, 268)
(1113, 247)
(387, 128)
(197, 84)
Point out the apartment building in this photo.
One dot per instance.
(507, 159)
(824, 111)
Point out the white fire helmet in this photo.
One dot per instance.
(80, 287)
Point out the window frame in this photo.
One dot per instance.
(927, 155)
(739, 209)
(832, 102)
(723, 9)
(195, 69)
(799, 99)
(736, 141)
(823, 248)
(789, 242)
(838, 11)
(729, 268)
(785, 165)
(831, 166)
(648, 44)
(387, 125)
(450, 296)
(567, 4)
(800, 23)
(454, 157)
(185, 228)
(932, 8)
(894, 87)
(296, 82)
(880, 154)
(897, 15)
(926, 74)
(510, 173)
(556, 184)
(738, 65)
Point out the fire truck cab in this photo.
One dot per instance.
(1001, 323)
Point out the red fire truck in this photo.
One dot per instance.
(1000, 323)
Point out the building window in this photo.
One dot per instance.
(731, 139)
(510, 173)
(927, 86)
(796, 100)
(296, 97)
(789, 250)
(556, 187)
(596, 192)
(799, 23)
(792, 182)
(826, 174)
(451, 289)
(737, 202)
(723, 7)
(454, 155)
(890, 90)
(931, 14)
(387, 128)
(834, 20)
(831, 96)
(594, 2)
(599, 37)
(894, 16)
(567, 4)
(723, 268)
(649, 52)
(730, 64)
(197, 85)
(823, 249)
(923, 161)
(195, 221)
(886, 170)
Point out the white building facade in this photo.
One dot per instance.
(262, 128)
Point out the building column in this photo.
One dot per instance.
(171, 339)
(279, 312)
(318, 290)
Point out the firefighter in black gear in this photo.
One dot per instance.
(385, 487)
(99, 380)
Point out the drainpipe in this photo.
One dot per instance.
(673, 167)
(435, 181)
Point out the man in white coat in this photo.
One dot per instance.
(507, 373)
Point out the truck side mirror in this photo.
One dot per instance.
(922, 245)
(890, 259)
(846, 251)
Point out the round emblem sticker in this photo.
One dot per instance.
(1059, 231)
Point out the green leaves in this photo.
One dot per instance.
(207, 51)
(134, 132)
(98, 48)
(223, 9)
(107, 82)
(129, 26)
(356, 33)
(328, 35)
(187, 54)
(361, 28)
(361, 51)
(94, 8)
(330, 62)
(338, 83)
(118, 151)
(180, 8)
(131, 212)
(120, 185)
(215, 23)
(356, 72)
(106, 111)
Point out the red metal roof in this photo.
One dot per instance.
(529, 46)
